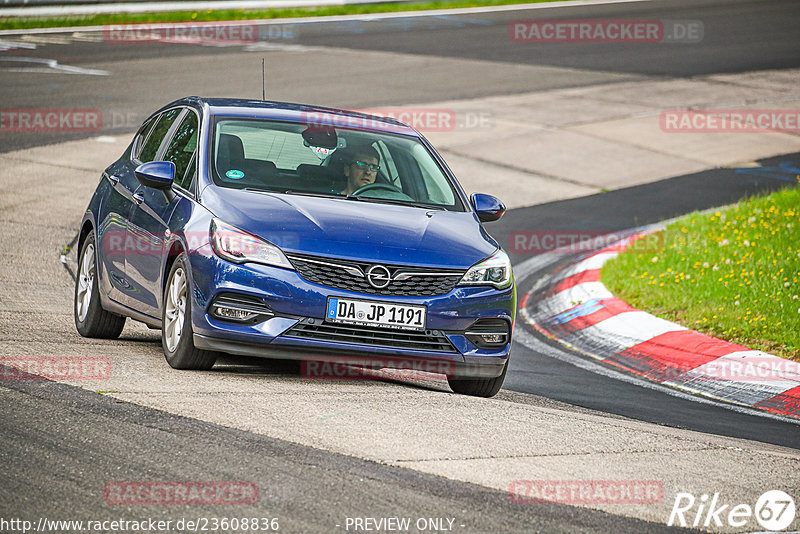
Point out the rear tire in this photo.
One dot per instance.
(91, 319)
(478, 387)
(176, 322)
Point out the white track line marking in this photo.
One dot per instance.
(49, 66)
(577, 294)
(13, 45)
(631, 328)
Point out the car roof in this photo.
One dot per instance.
(298, 113)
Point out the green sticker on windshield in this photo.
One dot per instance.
(234, 174)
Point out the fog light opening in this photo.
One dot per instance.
(239, 309)
(489, 333)
(233, 314)
(494, 338)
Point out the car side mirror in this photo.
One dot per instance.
(156, 174)
(487, 207)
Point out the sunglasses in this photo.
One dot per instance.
(363, 165)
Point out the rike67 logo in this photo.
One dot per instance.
(774, 511)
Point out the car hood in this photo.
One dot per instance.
(355, 230)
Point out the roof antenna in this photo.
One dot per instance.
(263, 81)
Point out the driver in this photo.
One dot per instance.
(362, 168)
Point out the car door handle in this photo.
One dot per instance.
(114, 179)
(138, 198)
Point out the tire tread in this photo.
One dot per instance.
(478, 387)
(99, 323)
(186, 355)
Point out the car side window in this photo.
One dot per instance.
(388, 163)
(141, 137)
(188, 178)
(181, 148)
(150, 148)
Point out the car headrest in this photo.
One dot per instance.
(230, 150)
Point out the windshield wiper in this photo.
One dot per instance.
(261, 189)
(312, 194)
(394, 201)
(291, 192)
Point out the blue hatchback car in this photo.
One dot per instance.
(288, 231)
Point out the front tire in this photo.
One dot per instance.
(91, 319)
(176, 322)
(478, 387)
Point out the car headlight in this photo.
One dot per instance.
(494, 271)
(237, 246)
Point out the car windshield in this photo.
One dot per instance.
(320, 160)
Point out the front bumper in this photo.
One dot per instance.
(295, 301)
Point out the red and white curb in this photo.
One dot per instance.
(576, 309)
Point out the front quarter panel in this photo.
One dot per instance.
(189, 226)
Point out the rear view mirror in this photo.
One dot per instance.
(487, 207)
(156, 174)
(320, 136)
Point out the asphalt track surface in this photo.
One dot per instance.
(739, 36)
(94, 436)
(66, 430)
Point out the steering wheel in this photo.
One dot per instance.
(381, 186)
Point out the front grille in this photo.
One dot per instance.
(351, 276)
(430, 340)
(489, 325)
(243, 301)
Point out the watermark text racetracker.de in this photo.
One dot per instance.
(151, 493)
(55, 368)
(580, 241)
(65, 120)
(188, 32)
(354, 368)
(586, 491)
(761, 367)
(50, 120)
(423, 119)
(243, 524)
(730, 121)
(634, 31)
(745, 366)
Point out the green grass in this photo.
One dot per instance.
(733, 274)
(21, 23)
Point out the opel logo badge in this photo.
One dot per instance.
(378, 276)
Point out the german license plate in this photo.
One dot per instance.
(371, 313)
